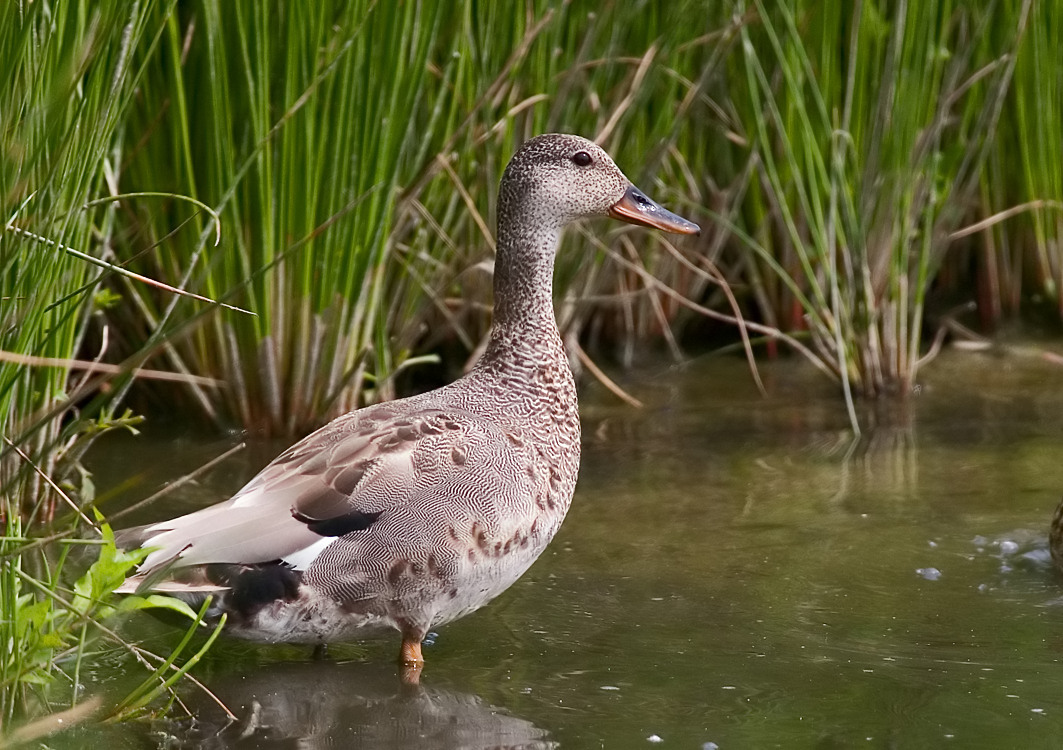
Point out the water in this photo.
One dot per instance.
(735, 572)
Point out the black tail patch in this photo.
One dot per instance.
(356, 520)
(253, 587)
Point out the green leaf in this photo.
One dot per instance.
(156, 601)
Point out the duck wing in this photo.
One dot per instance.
(336, 481)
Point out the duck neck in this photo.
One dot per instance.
(524, 323)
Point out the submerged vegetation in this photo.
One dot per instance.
(868, 172)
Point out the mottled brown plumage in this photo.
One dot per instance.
(410, 514)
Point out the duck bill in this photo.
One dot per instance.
(636, 208)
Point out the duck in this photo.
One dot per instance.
(409, 514)
(1055, 537)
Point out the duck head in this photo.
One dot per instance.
(566, 177)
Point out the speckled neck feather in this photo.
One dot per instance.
(524, 325)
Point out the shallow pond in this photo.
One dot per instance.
(736, 571)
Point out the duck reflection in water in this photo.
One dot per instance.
(328, 705)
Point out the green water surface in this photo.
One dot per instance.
(735, 572)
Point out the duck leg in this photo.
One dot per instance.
(410, 655)
(411, 660)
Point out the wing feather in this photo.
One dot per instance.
(337, 481)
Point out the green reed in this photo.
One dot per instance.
(353, 152)
(68, 79)
(70, 74)
(637, 79)
(870, 131)
(1022, 187)
(294, 124)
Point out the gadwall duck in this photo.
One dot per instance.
(410, 514)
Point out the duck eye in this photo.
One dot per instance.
(581, 159)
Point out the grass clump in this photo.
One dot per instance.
(352, 151)
(869, 127)
(294, 125)
(68, 78)
(71, 72)
(1021, 188)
